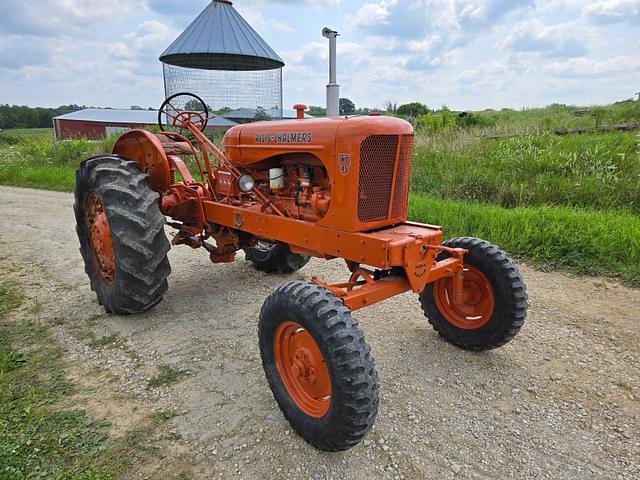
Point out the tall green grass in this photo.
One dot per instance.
(559, 117)
(556, 237)
(600, 170)
(30, 158)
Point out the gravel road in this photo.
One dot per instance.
(562, 401)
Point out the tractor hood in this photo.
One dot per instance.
(254, 142)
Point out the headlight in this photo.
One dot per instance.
(246, 183)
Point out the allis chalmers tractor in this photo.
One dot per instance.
(284, 192)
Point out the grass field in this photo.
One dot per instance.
(570, 202)
(30, 158)
(592, 170)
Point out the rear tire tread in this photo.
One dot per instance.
(137, 230)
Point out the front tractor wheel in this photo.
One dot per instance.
(275, 258)
(318, 366)
(495, 299)
(121, 233)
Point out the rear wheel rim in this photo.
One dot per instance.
(263, 250)
(100, 240)
(479, 301)
(302, 369)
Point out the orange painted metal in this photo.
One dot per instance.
(97, 225)
(299, 108)
(477, 306)
(146, 149)
(302, 369)
(331, 141)
(363, 289)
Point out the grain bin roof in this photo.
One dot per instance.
(220, 39)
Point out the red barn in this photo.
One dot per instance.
(94, 123)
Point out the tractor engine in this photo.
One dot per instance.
(350, 174)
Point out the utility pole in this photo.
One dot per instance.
(333, 89)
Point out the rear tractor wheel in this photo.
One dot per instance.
(495, 299)
(121, 233)
(318, 366)
(275, 258)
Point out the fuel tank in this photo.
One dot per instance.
(255, 142)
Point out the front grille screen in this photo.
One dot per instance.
(377, 164)
(401, 193)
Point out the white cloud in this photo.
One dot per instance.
(138, 51)
(181, 8)
(262, 24)
(563, 40)
(373, 14)
(54, 17)
(590, 68)
(613, 11)
(18, 52)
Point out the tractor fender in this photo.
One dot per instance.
(146, 149)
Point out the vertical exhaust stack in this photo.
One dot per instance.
(333, 89)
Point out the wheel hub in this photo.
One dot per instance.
(302, 369)
(100, 240)
(479, 302)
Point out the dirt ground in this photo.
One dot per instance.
(561, 401)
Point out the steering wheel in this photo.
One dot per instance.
(181, 108)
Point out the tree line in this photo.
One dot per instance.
(18, 116)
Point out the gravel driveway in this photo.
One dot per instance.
(561, 401)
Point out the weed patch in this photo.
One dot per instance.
(37, 438)
(167, 375)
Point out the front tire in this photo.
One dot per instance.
(318, 366)
(121, 233)
(275, 258)
(495, 305)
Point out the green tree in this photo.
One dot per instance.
(412, 109)
(261, 115)
(193, 105)
(347, 107)
(316, 111)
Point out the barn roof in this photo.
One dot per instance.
(108, 115)
(141, 117)
(274, 113)
(220, 39)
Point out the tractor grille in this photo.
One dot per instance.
(377, 165)
(401, 193)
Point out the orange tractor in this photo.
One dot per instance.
(284, 192)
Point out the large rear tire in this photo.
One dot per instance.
(318, 366)
(495, 305)
(121, 233)
(275, 258)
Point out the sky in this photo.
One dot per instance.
(472, 54)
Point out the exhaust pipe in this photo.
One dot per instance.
(333, 89)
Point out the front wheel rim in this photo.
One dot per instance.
(302, 369)
(479, 302)
(97, 225)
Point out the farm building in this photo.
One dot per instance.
(246, 115)
(95, 123)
